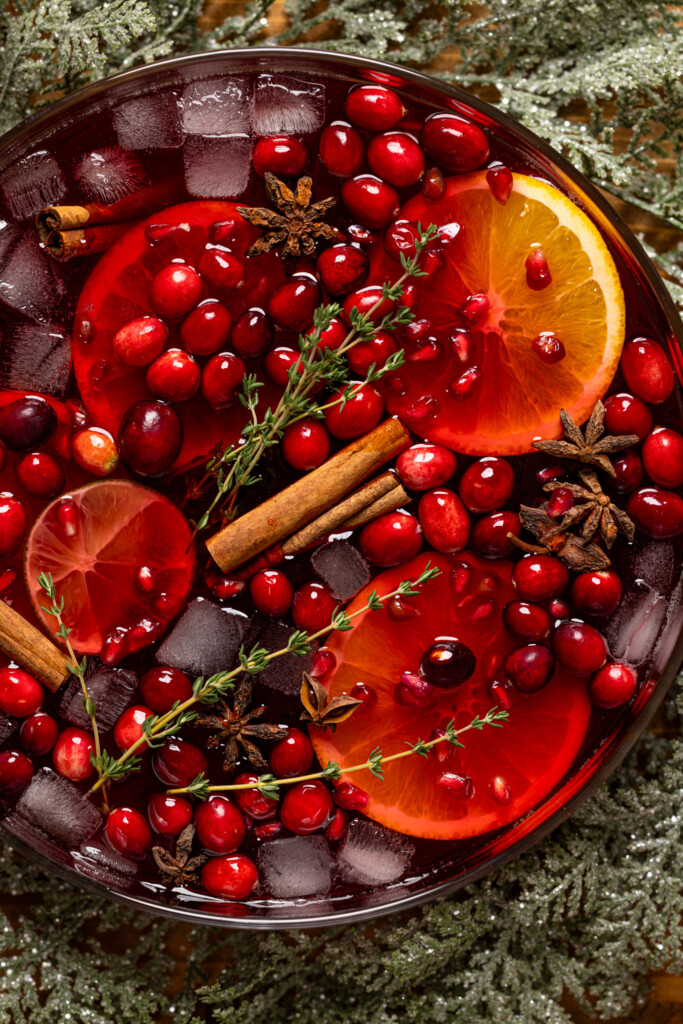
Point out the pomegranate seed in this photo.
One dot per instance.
(579, 647)
(527, 621)
(626, 414)
(555, 472)
(431, 261)
(38, 733)
(662, 455)
(206, 329)
(490, 535)
(456, 785)
(374, 352)
(292, 755)
(463, 387)
(359, 415)
(20, 693)
(271, 592)
(175, 291)
(230, 232)
(128, 729)
(374, 107)
(549, 348)
(612, 685)
(169, 815)
(280, 154)
(369, 200)
(413, 691)
(41, 475)
(252, 333)
(146, 579)
(433, 184)
(448, 233)
(597, 593)
(560, 501)
(306, 444)
(342, 269)
(220, 825)
(462, 344)
(221, 268)
(455, 144)
(557, 608)
(409, 297)
(428, 351)
(500, 790)
(357, 233)
(12, 524)
(366, 694)
(461, 578)
(78, 415)
(16, 770)
(174, 376)
(656, 512)
(230, 878)
(313, 607)
(71, 754)
(530, 668)
(7, 578)
(140, 341)
(391, 540)
(447, 664)
(441, 752)
(323, 662)
(487, 484)
(628, 470)
(115, 647)
(225, 589)
(279, 362)
(647, 370)
(350, 797)
(178, 762)
(157, 234)
(221, 379)
(501, 693)
(417, 329)
(538, 274)
(396, 157)
(425, 408)
(444, 520)
(252, 801)
(499, 180)
(338, 826)
(475, 308)
(424, 466)
(293, 303)
(268, 830)
(306, 807)
(341, 149)
(150, 437)
(539, 577)
(128, 833)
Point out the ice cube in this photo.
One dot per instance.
(54, 807)
(342, 567)
(373, 855)
(29, 282)
(205, 639)
(110, 689)
(287, 106)
(32, 183)
(8, 725)
(217, 168)
(149, 122)
(36, 357)
(283, 674)
(107, 175)
(216, 106)
(98, 861)
(633, 629)
(296, 866)
(655, 564)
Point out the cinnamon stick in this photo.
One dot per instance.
(307, 498)
(135, 206)
(389, 502)
(65, 245)
(31, 649)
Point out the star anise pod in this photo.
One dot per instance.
(181, 868)
(298, 223)
(554, 539)
(236, 728)
(589, 447)
(597, 511)
(321, 712)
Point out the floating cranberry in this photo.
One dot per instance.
(628, 470)
(220, 825)
(313, 607)
(280, 154)
(16, 770)
(71, 754)
(341, 149)
(206, 329)
(368, 301)
(291, 756)
(612, 685)
(396, 157)
(424, 466)
(527, 621)
(252, 801)
(333, 336)
(370, 200)
(597, 593)
(128, 833)
(161, 687)
(20, 693)
(662, 455)
(342, 269)
(306, 807)
(360, 414)
(140, 341)
(128, 729)
(38, 733)
(490, 535)
(656, 512)
(444, 520)
(12, 524)
(500, 181)
(558, 609)
(338, 826)
(549, 348)
(279, 362)
(230, 878)
(174, 376)
(271, 592)
(169, 815)
(455, 144)
(538, 274)
(306, 444)
(447, 663)
(487, 484)
(626, 414)
(41, 475)
(433, 184)
(175, 290)
(539, 577)
(252, 333)
(391, 540)
(221, 268)
(374, 352)
(293, 303)
(374, 107)
(150, 437)
(579, 647)
(27, 424)
(400, 239)
(647, 370)
(178, 762)
(221, 379)
(95, 450)
(530, 668)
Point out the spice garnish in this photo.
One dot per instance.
(298, 224)
(590, 446)
(321, 712)
(180, 869)
(596, 508)
(554, 539)
(237, 729)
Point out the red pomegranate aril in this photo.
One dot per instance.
(369, 301)
(206, 329)
(221, 379)
(71, 754)
(597, 593)
(150, 437)
(370, 200)
(140, 341)
(292, 755)
(41, 475)
(306, 807)
(230, 878)
(252, 333)
(20, 693)
(396, 157)
(444, 520)
(647, 370)
(500, 181)
(225, 589)
(268, 830)
(549, 473)
(128, 730)
(423, 409)
(456, 785)
(453, 143)
(341, 149)
(279, 154)
(391, 540)
(174, 376)
(538, 274)
(323, 662)
(559, 502)
(161, 687)
(220, 825)
(360, 414)
(146, 580)
(662, 455)
(490, 534)
(338, 826)
(579, 647)
(306, 444)
(501, 693)
(271, 592)
(431, 261)
(128, 833)
(78, 414)
(613, 685)
(656, 512)
(374, 352)
(361, 235)
(475, 308)
(539, 577)
(417, 329)
(364, 693)
(628, 469)
(441, 752)
(350, 797)
(410, 297)
(428, 351)
(12, 524)
(342, 269)
(252, 801)
(169, 815)
(38, 733)
(158, 234)
(433, 184)
(293, 303)
(175, 291)
(16, 770)
(313, 607)
(230, 232)
(221, 268)
(27, 424)
(178, 762)
(530, 668)
(278, 363)
(487, 484)
(374, 107)
(527, 621)
(424, 466)
(549, 348)
(499, 788)
(626, 414)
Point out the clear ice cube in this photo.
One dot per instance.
(29, 281)
(148, 122)
(31, 183)
(373, 855)
(342, 567)
(54, 807)
(107, 175)
(296, 866)
(216, 106)
(98, 861)
(286, 106)
(217, 168)
(655, 564)
(205, 639)
(36, 357)
(111, 690)
(284, 674)
(633, 630)
(8, 725)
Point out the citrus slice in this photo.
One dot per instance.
(116, 528)
(511, 768)
(519, 396)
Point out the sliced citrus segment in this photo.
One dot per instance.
(116, 528)
(512, 768)
(519, 396)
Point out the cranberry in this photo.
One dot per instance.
(549, 348)
(291, 756)
(71, 754)
(454, 143)
(16, 770)
(150, 437)
(230, 878)
(490, 535)
(557, 608)
(662, 454)
(341, 149)
(41, 475)
(313, 607)
(220, 825)
(20, 693)
(206, 329)
(424, 466)
(369, 200)
(656, 512)
(447, 663)
(221, 268)
(374, 352)
(271, 592)
(293, 303)
(306, 444)
(174, 376)
(279, 362)
(140, 341)
(444, 520)
(338, 826)
(396, 157)
(128, 729)
(539, 577)
(368, 301)
(175, 290)
(597, 593)
(466, 384)
(392, 539)
(178, 762)
(530, 668)
(95, 450)
(359, 415)
(374, 107)
(527, 621)
(333, 336)
(647, 370)
(612, 685)
(628, 470)
(579, 647)
(252, 801)
(280, 154)
(162, 687)
(487, 484)
(128, 833)
(221, 379)
(500, 181)
(400, 239)
(626, 414)
(27, 424)
(38, 733)
(342, 269)
(169, 815)
(252, 333)
(306, 807)
(12, 524)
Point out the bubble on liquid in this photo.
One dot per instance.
(373, 855)
(287, 106)
(149, 122)
(53, 808)
(107, 175)
(217, 168)
(293, 867)
(205, 639)
(36, 357)
(215, 106)
(32, 183)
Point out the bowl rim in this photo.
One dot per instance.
(631, 731)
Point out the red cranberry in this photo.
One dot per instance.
(557, 608)
(368, 301)
(221, 268)
(466, 384)
(306, 807)
(424, 466)
(313, 607)
(128, 729)
(342, 269)
(539, 577)
(490, 534)
(391, 540)
(656, 512)
(444, 520)
(500, 181)
(175, 290)
(306, 444)
(150, 437)
(38, 733)
(12, 524)
(293, 303)
(230, 878)
(178, 762)
(271, 592)
(128, 833)
(433, 184)
(527, 621)
(374, 107)
(359, 415)
(162, 687)
(537, 271)
(397, 158)
(662, 454)
(41, 475)
(625, 414)
(252, 333)
(447, 663)
(400, 239)
(71, 754)
(252, 801)
(549, 348)
(612, 685)
(16, 770)
(629, 471)
(338, 826)
(341, 149)
(530, 668)
(140, 341)
(95, 450)
(280, 154)
(374, 352)
(647, 370)
(278, 363)
(455, 144)
(291, 756)
(221, 379)
(487, 484)
(20, 693)
(220, 825)
(206, 329)
(369, 200)
(579, 647)
(350, 797)
(169, 815)
(174, 376)
(27, 423)
(333, 336)
(597, 593)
